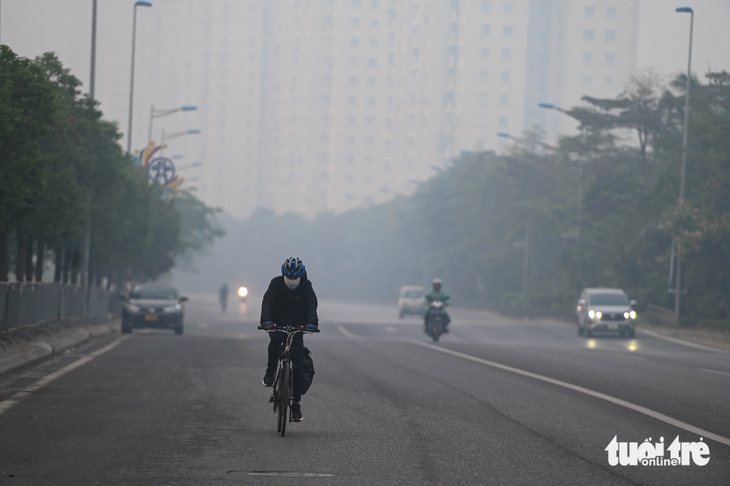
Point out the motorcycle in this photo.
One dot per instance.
(437, 320)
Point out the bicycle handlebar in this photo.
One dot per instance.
(287, 328)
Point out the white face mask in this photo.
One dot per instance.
(291, 283)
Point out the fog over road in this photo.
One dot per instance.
(497, 401)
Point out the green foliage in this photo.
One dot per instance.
(62, 169)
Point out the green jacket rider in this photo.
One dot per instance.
(436, 295)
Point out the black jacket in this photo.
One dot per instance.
(295, 307)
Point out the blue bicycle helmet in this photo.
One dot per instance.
(293, 267)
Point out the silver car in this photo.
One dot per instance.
(601, 309)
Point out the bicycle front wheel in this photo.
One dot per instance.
(284, 397)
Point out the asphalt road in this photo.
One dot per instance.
(497, 401)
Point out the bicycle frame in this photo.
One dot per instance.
(282, 399)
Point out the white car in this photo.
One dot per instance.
(602, 309)
(410, 301)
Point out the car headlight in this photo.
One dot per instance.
(591, 314)
(626, 315)
(172, 308)
(632, 314)
(133, 308)
(598, 315)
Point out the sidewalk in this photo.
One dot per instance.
(42, 348)
(706, 336)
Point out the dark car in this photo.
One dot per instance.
(157, 306)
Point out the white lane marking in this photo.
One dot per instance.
(347, 333)
(683, 343)
(16, 398)
(716, 371)
(637, 408)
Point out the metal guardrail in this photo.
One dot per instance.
(661, 316)
(23, 304)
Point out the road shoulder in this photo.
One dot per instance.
(26, 355)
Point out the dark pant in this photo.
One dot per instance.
(428, 314)
(276, 347)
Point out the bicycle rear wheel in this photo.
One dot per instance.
(284, 397)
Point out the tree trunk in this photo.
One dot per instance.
(3, 256)
(29, 259)
(20, 260)
(57, 272)
(75, 263)
(66, 262)
(39, 260)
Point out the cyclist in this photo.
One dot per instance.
(289, 301)
(223, 297)
(436, 295)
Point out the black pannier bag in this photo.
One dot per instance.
(308, 368)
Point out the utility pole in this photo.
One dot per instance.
(525, 260)
(678, 286)
(86, 243)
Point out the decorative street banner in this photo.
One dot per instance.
(160, 169)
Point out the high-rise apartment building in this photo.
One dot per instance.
(577, 48)
(366, 98)
(311, 105)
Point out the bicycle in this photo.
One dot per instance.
(284, 379)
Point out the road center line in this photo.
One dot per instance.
(347, 333)
(632, 406)
(16, 398)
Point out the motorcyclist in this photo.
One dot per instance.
(223, 297)
(289, 300)
(436, 295)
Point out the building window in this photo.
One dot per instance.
(508, 8)
(351, 140)
(507, 31)
(352, 100)
(483, 76)
(608, 57)
(353, 61)
(608, 80)
(588, 34)
(371, 101)
(486, 30)
(587, 58)
(506, 54)
(373, 42)
(354, 41)
(372, 62)
(352, 121)
(504, 99)
(586, 80)
(353, 81)
(484, 53)
(503, 121)
(505, 77)
(355, 3)
(486, 7)
(374, 23)
(590, 12)
(356, 22)
(374, 3)
(610, 36)
(372, 82)
(348, 178)
(611, 12)
(482, 98)
(350, 159)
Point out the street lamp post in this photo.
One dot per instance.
(678, 284)
(160, 113)
(139, 3)
(171, 136)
